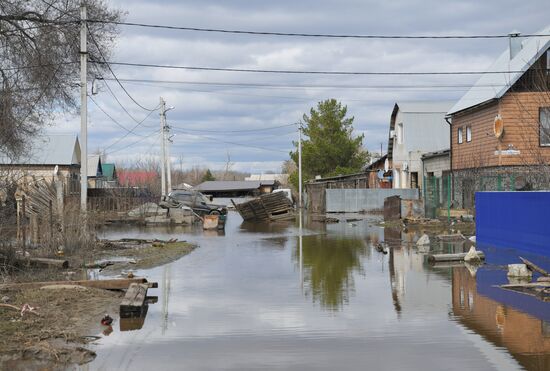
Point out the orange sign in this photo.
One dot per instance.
(498, 127)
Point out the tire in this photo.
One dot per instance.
(214, 212)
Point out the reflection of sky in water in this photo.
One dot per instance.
(237, 303)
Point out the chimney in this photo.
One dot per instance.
(515, 44)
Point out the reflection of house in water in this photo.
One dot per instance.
(329, 265)
(526, 337)
(411, 285)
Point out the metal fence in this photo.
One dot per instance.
(437, 195)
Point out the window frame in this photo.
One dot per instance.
(547, 143)
(468, 134)
(460, 135)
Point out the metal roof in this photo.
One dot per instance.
(231, 185)
(445, 152)
(50, 149)
(94, 166)
(494, 85)
(109, 171)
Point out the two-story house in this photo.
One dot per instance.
(500, 129)
(416, 128)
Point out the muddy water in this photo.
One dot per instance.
(260, 297)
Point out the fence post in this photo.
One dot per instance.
(499, 183)
(51, 224)
(512, 182)
(23, 223)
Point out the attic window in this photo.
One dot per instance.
(468, 133)
(460, 138)
(544, 118)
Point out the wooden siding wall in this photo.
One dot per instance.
(520, 114)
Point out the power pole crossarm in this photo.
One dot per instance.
(83, 109)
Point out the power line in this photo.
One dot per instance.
(378, 73)
(300, 86)
(131, 131)
(108, 115)
(114, 75)
(237, 131)
(317, 35)
(233, 143)
(133, 143)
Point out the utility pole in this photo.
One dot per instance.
(162, 149)
(168, 167)
(83, 109)
(300, 166)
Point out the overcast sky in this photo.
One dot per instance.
(204, 115)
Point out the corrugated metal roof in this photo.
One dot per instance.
(229, 185)
(50, 149)
(499, 83)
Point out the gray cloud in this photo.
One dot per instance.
(218, 108)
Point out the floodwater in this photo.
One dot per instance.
(260, 297)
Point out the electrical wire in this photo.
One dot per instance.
(236, 131)
(302, 72)
(116, 78)
(133, 143)
(234, 143)
(131, 131)
(299, 86)
(318, 35)
(108, 115)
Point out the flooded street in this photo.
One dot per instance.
(259, 297)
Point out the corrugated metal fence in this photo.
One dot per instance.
(358, 200)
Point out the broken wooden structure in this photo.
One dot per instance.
(110, 284)
(434, 258)
(269, 207)
(540, 290)
(133, 304)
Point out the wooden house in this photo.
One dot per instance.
(500, 129)
(45, 157)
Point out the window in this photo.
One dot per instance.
(468, 133)
(544, 114)
(414, 180)
(460, 140)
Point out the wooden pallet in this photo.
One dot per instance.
(268, 207)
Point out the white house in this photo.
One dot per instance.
(416, 128)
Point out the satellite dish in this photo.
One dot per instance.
(498, 127)
(56, 170)
(386, 166)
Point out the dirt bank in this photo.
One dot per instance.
(69, 317)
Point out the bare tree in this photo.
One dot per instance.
(39, 54)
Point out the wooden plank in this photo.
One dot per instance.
(451, 257)
(113, 284)
(534, 267)
(55, 263)
(134, 301)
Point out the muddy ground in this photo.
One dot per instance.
(69, 317)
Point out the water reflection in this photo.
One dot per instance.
(328, 265)
(525, 336)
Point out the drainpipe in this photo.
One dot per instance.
(452, 187)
